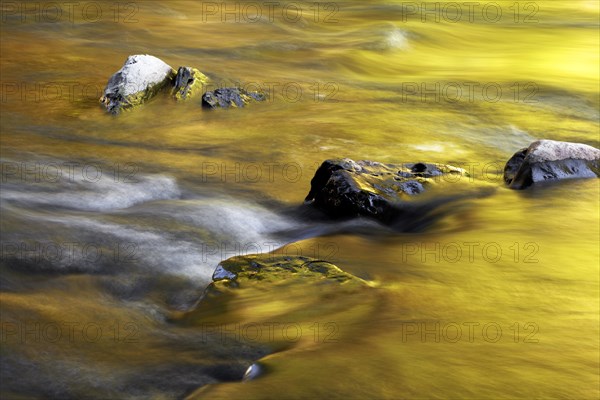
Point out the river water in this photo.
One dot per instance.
(112, 227)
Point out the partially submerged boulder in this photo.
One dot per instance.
(347, 188)
(141, 78)
(549, 160)
(274, 301)
(189, 82)
(279, 270)
(230, 97)
(275, 284)
(282, 276)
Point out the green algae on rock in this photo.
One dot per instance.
(290, 304)
(140, 79)
(189, 82)
(271, 287)
(269, 281)
(279, 270)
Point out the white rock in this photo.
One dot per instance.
(140, 78)
(551, 150)
(549, 160)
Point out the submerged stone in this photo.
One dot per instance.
(549, 160)
(278, 269)
(140, 78)
(230, 97)
(284, 302)
(277, 278)
(189, 82)
(347, 188)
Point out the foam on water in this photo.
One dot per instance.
(177, 237)
(102, 193)
(224, 229)
(232, 218)
(388, 37)
(146, 249)
(396, 39)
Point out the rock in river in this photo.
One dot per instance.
(274, 300)
(189, 82)
(280, 270)
(347, 188)
(280, 278)
(230, 97)
(140, 78)
(276, 284)
(549, 160)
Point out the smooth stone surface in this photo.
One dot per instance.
(253, 372)
(278, 270)
(348, 188)
(549, 160)
(140, 79)
(276, 278)
(230, 97)
(189, 82)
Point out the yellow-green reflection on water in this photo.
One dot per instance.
(364, 67)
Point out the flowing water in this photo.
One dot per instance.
(112, 227)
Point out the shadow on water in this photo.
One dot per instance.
(417, 216)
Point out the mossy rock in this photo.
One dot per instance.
(189, 82)
(280, 270)
(265, 287)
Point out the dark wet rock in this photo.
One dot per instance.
(549, 160)
(230, 97)
(189, 82)
(347, 188)
(140, 79)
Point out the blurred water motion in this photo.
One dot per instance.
(497, 299)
